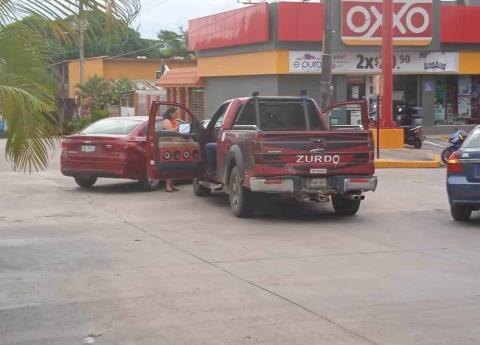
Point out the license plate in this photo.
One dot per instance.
(316, 183)
(88, 148)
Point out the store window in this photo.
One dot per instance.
(457, 100)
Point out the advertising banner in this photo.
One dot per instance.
(371, 63)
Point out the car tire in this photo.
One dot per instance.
(344, 206)
(241, 199)
(418, 144)
(86, 182)
(200, 190)
(460, 213)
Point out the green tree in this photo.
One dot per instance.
(95, 94)
(174, 44)
(27, 89)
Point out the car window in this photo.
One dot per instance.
(158, 127)
(247, 115)
(281, 116)
(112, 126)
(473, 141)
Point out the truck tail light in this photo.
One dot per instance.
(258, 152)
(454, 166)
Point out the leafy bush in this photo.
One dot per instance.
(79, 123)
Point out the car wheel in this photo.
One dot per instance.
(418, 144)
(200, 190)
(241, 199)
(460, 213)
(86, 182)
(344, 206)
(445, 155)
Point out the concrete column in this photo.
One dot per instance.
(427, 91)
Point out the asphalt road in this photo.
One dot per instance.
(126, 267)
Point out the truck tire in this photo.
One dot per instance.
(200, 190)
(344, 206)
(460, 213)
(86, 182)
(241, 199)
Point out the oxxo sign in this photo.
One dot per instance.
(412, 22)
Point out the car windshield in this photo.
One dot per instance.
(473, 141)
(112, 126)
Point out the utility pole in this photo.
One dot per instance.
(326, 77)
(387, 65)
(81, 40)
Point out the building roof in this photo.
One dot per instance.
(181, 77)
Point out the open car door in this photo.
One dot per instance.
(348, 114)
(174, 154)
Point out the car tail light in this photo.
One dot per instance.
(454, 165)
(258, 152)
(64, 145)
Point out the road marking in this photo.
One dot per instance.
(437, 145)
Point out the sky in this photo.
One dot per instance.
(170, 14)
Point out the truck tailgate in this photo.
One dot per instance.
(322, 153)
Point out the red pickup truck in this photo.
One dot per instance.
(273, 145)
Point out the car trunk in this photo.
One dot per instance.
(95, 148)
(471, 164)
(316, 153)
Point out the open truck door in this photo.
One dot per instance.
(174, 154)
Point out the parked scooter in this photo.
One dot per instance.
(412, 134)
(456, 140)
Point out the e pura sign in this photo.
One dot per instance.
(412, 22)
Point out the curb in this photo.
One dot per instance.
(393, 164)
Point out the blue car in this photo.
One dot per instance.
(463, 178)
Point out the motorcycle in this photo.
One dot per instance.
(412, 134)
(456, 140)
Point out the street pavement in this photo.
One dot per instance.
(114, 265)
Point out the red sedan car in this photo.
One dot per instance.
(114, 147)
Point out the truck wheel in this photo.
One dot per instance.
(200, 190)
(460, 213)
(344, 206)
(86, 182)
(241, 199)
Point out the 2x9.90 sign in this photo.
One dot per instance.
(362, 22)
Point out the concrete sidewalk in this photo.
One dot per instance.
(407, 158)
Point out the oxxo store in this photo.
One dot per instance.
(276, 49)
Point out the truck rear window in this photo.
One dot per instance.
(282, 116)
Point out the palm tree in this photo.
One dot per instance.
(27, 88)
